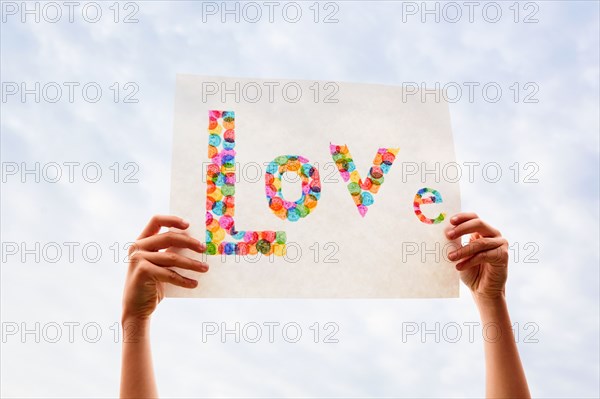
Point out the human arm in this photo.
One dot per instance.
(147, 275)
(483, 267)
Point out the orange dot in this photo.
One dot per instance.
(293, 165)
(213, 225)
(210, 187)
(281, 213)
(310, 202)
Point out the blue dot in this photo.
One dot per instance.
(367, 198)
(218, 208)
(272, 168)
(307, 170)
(293, 215)
(229, 248)
(214, 139)
(238, 235)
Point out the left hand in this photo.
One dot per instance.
(150, 266)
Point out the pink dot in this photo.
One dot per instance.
(362, 210)
(226, 222)
(270, 192)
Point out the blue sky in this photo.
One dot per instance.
(558, 215)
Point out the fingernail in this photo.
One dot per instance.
(204, 268)
(193, 283)
(453, 219)
(185, 222)
(452, 255)
(450, 233)
(458, 267)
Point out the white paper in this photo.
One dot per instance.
(342, 254)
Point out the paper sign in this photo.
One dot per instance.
(312, 189)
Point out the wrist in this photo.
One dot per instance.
(134, 327)
(490, 303)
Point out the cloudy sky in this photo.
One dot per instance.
(544, 56)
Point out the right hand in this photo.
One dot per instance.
(483, 262)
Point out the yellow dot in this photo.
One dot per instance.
(279, 249)
(216, 195)
(218, 235)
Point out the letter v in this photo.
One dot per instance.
(362, 191)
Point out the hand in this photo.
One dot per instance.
(149, 266)
(483, 262)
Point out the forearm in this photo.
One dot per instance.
(137, 374)
(505, 377)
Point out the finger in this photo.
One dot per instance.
(475, 236)
(473, 226)
(474, 247)
(158, 221)
(172, 277)
(490, 256)
(170, 239)
(169, 259)
(462, 217)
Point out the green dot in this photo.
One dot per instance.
(263, 246)
(228, 189)
(440, 218)
(280, 237)
(211, 248)
(303, 210)
(281, 160)
(378, 182)
(354, 188)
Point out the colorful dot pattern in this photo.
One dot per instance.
(362, 191)
(311, 187)
(427, 196)
(220, 197)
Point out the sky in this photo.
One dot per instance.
(60, 313)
